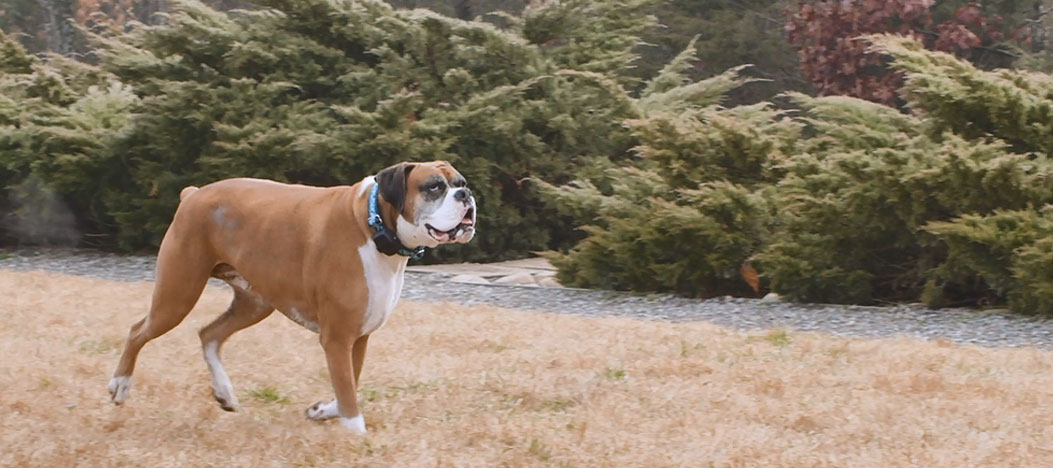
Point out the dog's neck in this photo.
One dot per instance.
(384, 234)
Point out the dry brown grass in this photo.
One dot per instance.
(452, 386)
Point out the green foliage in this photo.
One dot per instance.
(845, 201)
(327, 92)
(743, 144)
(672, 91)
(1032, 269)
(865, 209)
(853, 204)
(858, 214)
(61, 139)
(693, 245)
(833, 199)
(588, 35)
(1010, 251)
(689, 218)
(1013, 106)
(674, 73)
(51, 114)
(727, 34)
(13, 57)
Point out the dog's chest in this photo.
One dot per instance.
(384, 275)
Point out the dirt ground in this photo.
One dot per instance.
(446, 385)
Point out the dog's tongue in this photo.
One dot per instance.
(442, 236)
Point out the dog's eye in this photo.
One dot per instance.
(434, 187)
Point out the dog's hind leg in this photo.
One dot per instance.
(245, 310)
(181, 277)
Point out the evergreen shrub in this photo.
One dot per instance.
(325, 92)
(842, 201)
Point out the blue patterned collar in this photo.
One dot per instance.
(386, 241)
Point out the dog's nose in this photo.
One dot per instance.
(463, 195)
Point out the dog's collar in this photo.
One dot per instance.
(386, 241)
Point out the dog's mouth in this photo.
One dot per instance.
(466, 225)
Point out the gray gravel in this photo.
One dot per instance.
(957, 325)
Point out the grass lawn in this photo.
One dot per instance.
(446, 385)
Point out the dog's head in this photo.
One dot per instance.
(433, 201)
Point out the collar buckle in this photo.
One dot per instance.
(415, 254)
(375, 221)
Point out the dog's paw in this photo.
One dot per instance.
(323, 410)
(356, 424)
(226, 399)
(119, 389)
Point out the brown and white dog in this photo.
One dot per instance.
(306, 251)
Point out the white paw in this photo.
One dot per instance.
(323, 410)
(356, 424)
(119, 389)
(224, 394)
(221, 386)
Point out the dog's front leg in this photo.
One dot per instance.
(338, 356)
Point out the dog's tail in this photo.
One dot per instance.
(187, 192)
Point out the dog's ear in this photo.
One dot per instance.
(392, 182)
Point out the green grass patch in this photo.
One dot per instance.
(392, 391)
(268, 394)
(96, 347)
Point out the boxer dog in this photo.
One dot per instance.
(331, 259)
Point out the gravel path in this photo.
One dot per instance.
(957, 325)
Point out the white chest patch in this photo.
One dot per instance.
(384, 275)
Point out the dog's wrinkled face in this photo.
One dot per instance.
(434, 203)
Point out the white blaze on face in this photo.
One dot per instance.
(440, 221)
(466, 229)
(413, 235)
(449, 214)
